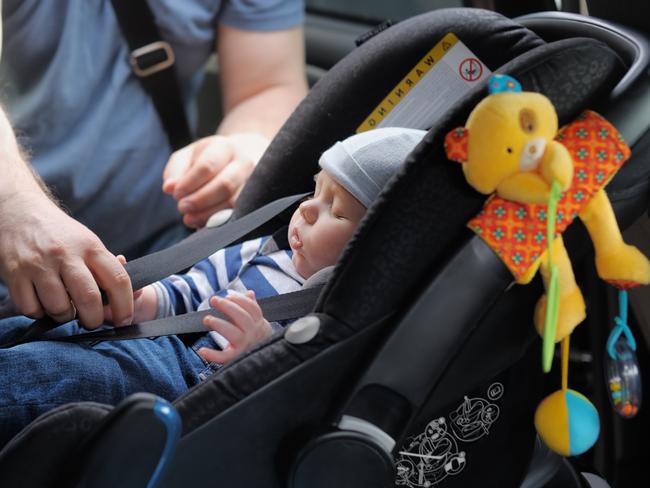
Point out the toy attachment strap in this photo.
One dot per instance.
(552, 293)
(565, 363)
(621, 327)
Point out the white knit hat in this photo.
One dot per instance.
(363, 163)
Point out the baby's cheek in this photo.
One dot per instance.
(333, 254)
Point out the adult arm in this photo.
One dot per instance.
(262, 79)
(50, 262)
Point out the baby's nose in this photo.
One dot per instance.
(308, 211)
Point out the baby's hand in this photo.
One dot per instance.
(245, 328)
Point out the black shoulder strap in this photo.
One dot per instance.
(152, 60)
(153, 267)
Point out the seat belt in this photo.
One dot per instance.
(153, 267)
(274, 309)
(152, 60)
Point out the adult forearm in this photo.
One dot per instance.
(262, 78)
(264, 112)
(17, 176)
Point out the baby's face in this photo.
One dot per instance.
(322, 225)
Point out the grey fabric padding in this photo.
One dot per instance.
(363, 163)
(320, 277)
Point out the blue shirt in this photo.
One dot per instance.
(92, 131)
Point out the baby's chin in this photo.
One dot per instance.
(301, 265)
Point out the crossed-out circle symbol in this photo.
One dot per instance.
(470, 69)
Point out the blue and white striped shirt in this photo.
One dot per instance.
(257, 265)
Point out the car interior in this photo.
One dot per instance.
(418, 365)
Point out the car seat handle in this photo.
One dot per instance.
(427, 339)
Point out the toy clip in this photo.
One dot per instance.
(623, 372)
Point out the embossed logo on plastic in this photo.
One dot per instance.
(427, 459)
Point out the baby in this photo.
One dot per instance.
(353, 173)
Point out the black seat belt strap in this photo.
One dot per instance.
(153, 267)
(280, 307)
(152, 60)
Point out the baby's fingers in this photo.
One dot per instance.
(232, 333)
(248, 303)
(215, 356)
(233, 311)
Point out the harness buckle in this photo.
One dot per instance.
(152, 58)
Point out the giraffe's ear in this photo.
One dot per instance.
(456, 144)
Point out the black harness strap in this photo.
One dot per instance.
(152, 60)
(153, 267)
(280, 307)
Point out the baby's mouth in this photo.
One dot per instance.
(294, 240)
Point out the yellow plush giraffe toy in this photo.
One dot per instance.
(510, 148)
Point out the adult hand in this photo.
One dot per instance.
(53, 264)
(209, 174)
(245, 328)
(145, 303)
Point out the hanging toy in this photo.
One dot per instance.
(566, 420)
(510, 147)
(623, 374)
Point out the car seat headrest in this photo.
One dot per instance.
(342, 99)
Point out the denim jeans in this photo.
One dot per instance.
(38, 376)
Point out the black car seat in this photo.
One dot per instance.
(418, 331)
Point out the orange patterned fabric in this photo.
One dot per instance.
(517, 231)
(456, 145)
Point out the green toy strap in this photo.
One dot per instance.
(552, 293)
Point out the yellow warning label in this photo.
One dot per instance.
(408, 82)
